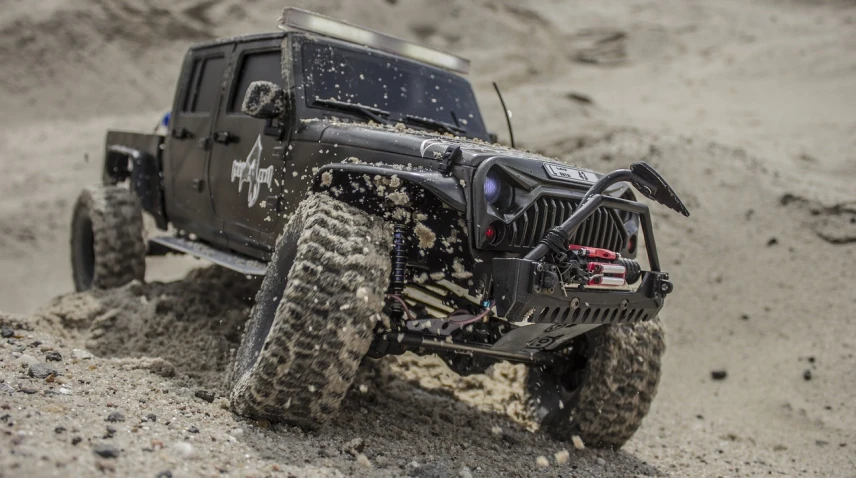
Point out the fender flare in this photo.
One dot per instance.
(144, 174)
(443, 187)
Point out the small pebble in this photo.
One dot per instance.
(578, 442)
(106, 451)
(164, 474)
(354, 447)
(193, 430)
(363, 461)
(185, 450)
(205, 395)
(76, 440)
(807, 375)
(27, 360)
(562, 457)
(542, 461)
(115, 417)
(80, 354)
(7, 332)
(600, 461)
(718, 374)
(41, 370)
(53, 356)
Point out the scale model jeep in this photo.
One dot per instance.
(353, 171)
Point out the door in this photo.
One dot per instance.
(188, 144)
(246, 163)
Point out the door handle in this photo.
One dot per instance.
(225, 137)
(181, 133)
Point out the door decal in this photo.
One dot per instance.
(248, 172)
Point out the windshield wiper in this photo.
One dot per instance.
(369, 112)
(448, 127)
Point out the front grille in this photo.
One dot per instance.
(602, 229)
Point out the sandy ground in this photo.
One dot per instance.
(747, 110)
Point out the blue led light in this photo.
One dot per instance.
(492, 188)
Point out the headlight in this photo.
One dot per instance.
(497, 192)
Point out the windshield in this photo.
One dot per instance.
(395, 87)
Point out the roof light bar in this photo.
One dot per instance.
(297, 19)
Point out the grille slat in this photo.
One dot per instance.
(603, 229)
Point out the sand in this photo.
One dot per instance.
(747, 110)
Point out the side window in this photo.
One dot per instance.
(259, 66)
(205, 85)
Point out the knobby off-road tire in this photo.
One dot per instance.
(107, 245)
(314, 316)
(607, 390)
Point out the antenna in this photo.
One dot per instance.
(507, 113)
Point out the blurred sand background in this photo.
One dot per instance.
(748, 109)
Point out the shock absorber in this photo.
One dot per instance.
(399, 263)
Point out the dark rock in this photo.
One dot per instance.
(206, 395)
(59, 430)
(28, 391)
(106, 451)
(772, 242)
(718, 374)
(807, 375)
(110, 432)
(745, 316)
(193, 430)
(7, 332)
(151, 417)
(115, 417)
(53, 356)
(76, 440)
(811, 359)
(41, 370)
(164, 474)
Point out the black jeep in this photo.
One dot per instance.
(353, 171)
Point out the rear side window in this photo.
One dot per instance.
(259, 66)
(205, 85)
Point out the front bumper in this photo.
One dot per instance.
(525, 289)
(521, 296)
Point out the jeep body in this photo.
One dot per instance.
(404, 139)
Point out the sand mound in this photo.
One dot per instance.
(195, 324)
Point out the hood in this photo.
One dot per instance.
(409, 142)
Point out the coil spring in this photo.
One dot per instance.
(632, 268)
(399, 259)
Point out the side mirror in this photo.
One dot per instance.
(263, 100)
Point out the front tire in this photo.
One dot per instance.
(605, 390)
(315, 314)
(107, 245)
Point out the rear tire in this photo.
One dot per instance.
(107, 245)
(605, 391)
(315, 314)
